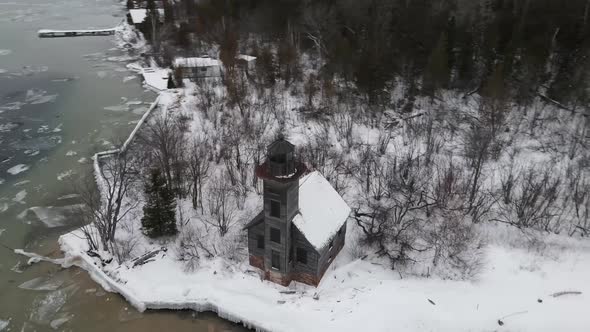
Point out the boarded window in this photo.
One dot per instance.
(275, 260)
(260, 241)
(301, 255)
(275, 235)
(275, 209)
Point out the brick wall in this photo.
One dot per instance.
(257, 261)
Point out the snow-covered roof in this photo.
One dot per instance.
(196, 62)
(246, 57)
(156, 78)
(322, 211)
(139, 15)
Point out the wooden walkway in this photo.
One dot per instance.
(46, 33)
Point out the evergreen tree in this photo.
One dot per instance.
(159, 212)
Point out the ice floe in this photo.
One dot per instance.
(71, 153)
(14, 170)
(38, 96)
(4, 324)
(20, 197)
(70, 196)
(57, 323)
(42, 284)
(14, 106)
(51, 216)
(5, 52)
(117, 108)
(128, 78)
(6, 127)
(64, 175)
(46, 307)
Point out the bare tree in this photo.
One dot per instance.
(221, 206)
(198, 170)
(110, 201)
(532, 200)
(164, 138)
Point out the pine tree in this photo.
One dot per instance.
(159, 212)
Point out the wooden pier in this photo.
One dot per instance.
(46, 33)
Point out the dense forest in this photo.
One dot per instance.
(519, 48)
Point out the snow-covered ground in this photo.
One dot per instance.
(518, 286)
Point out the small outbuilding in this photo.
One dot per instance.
(139, 15)
(196, 68)
(302, 226)
(247, 62)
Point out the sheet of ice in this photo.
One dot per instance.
(4, 324)
(5, 52)
(3, 207)
(6, 127)
(71, 153)
(38, 96)
(128, 78)
(1, 180)
(20, 183)
(14, 170)
(70, 196)
(20, 197)
(82, 160)
(14, 106)
(64, 175)
(117, 108)
(53, 216)
(57, 323)
(322, 211)
(42, 284)
(2, 231)
(45, 307)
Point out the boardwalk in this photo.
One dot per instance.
(46, 33)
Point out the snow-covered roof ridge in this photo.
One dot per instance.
(322, 211)
(196, 62)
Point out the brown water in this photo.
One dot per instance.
(53, 94)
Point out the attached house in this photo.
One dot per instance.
(196, 68)
(302, 226)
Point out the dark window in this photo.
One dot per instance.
(275, 209)
(203, 69)
(275, 235)
(275, 260)
(279, 158)
(260, 241)
(302, 255)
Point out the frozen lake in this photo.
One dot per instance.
(61, 100)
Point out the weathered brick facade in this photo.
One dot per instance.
(257, 261)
